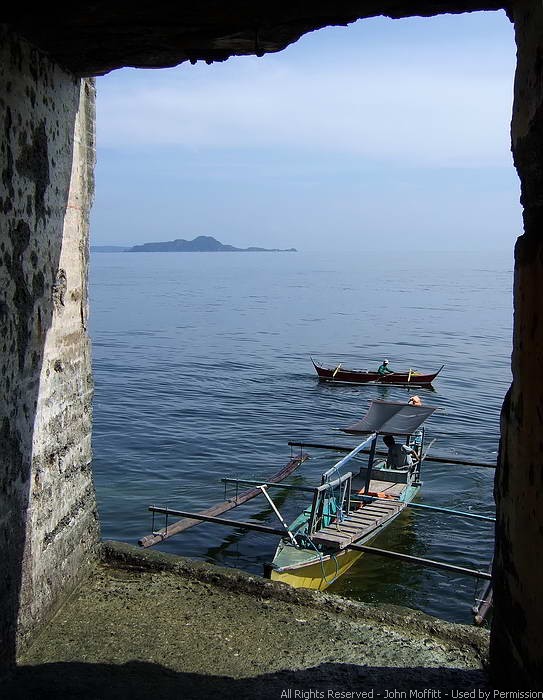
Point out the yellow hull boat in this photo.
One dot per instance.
(319, 575)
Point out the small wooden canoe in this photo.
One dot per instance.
(342, 375)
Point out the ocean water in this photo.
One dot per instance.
(202, 370)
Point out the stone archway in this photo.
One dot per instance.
(47, 154)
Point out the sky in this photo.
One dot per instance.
(383, 134)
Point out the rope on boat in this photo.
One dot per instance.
(321, 562)
(340, 513)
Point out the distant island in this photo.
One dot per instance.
(200, 244)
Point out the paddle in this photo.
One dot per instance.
(336, 370)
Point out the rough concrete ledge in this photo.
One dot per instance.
(150, 625)
(472, 639)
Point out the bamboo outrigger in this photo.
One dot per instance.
(182, 525)
(444, 459)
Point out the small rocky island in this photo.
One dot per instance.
(200, 244)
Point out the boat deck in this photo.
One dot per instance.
(378, 486)
(366, 518)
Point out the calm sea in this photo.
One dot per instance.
(202, 370)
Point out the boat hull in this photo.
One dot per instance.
(319, 575)
(345, 376)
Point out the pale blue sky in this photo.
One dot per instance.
(386, 133)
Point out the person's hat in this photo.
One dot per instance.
(385, 362)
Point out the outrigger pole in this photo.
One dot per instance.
(209, 515)
(219, 521)
(435, 458)
(358, 547)
(218, 508)
(462, 513)
(420, 560)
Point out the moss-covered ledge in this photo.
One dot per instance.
(472, 640)
(146, 624)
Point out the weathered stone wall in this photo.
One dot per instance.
(48, 521)
(517, 630)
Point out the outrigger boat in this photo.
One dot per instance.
(339, 374)
(351, 509)
(348, 508)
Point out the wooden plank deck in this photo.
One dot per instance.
(381, 473)
(389, 488)
(358, 523)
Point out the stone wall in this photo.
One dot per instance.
(48, 520)
(517, 630)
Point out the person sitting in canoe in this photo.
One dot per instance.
(383, 369)
(399, 456)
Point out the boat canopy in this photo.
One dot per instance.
(390, 418)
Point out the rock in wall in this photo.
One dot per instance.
(517, 629)
(48, 520)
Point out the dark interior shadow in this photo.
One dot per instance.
(135, 680)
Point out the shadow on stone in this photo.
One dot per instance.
(145, 680)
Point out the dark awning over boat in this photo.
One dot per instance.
(393, 418)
